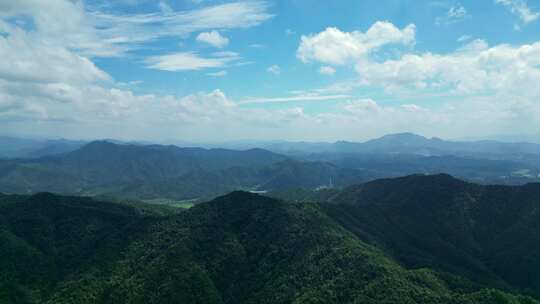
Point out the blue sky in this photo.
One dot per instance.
(204, 70)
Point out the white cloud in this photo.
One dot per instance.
(26, 59)
(327, 70)
(227, 54)
(274, 69)
(187, 61)
(218, 74)
(289, 32)
(454, 14)
(297, 97)
(96, 33)
(363, 106)
(491, 88)
(335, 47)
(474, 68)
(213, 38)
(520, 8)
(63, 23)
(49, 84)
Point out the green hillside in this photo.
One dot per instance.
(490, 234)
(239, 248)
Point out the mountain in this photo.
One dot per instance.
(201, 184)
(409, 143)
(239, 248)
(149, 172)
(406, 153)
(480, 170)
(156, 172)
(12, 147)
(489, 234)
(101, 167)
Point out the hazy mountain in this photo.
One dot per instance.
(11, 147)
(406, 153)
(101, 167)
(157, 171)
(409, 143)
(481, 170)
(240, 248)
(283, 175)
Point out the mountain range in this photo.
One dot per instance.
(150, 172)
(410, 143)
(414, 239)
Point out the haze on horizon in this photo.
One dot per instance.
(290, 70)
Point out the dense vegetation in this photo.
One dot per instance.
(486, 233)
(150, 172)
(420, 239)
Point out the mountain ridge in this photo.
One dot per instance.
(238, 248)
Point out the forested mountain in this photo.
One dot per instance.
(288, 174)
(417, 239)
(486, 233)
(168, 172)
(103, 167)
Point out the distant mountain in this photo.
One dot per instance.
(11, 147)
(155, 171)
(481, 170)
(240, 248)
(102, 167)
(409, 143)
(201, 184)
(406, 153)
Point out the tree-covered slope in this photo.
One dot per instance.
(283, 175)
(239, 248)
(46, 239)
(102, 167)
(490, 234)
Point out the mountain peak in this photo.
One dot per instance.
(407, 136)
(410, 187)
(99, 143)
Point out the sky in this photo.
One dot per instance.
(313, 70)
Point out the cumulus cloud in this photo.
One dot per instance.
(332, 46)
(47, 76)
(363, 106)
(486, 88)
(27, 59)
(213, 38)
(48, 79)
(474, 68)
